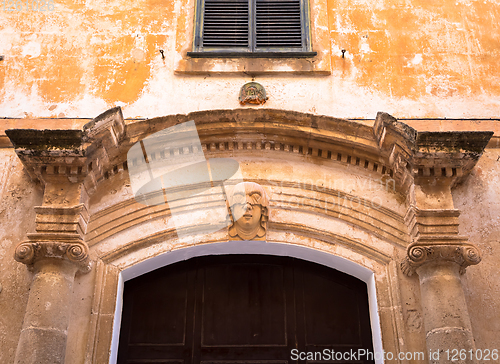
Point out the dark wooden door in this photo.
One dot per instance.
(242, 309)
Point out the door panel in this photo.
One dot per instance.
(244, 305)
(241, 310)
(331, 310)
(167, 296)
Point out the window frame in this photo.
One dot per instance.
(252, 51)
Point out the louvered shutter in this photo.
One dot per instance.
(225, 23)
(252, 28)
(278, 23)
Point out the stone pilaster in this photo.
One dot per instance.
(439, 255)
(54, 260)
(426, 167)
(55, 253)
(68, 163)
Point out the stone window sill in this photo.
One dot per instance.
(252, 66)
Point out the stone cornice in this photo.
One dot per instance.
(390, 148)
(428, 157)
(73, 155)
(447, 155)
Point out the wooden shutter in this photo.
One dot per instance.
(225, 23)
(278, 24)
(252, 28)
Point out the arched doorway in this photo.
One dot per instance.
(244, 309)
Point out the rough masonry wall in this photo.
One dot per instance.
(479, 200)
(18, 196)
(411, 58)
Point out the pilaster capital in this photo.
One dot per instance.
(417, 255)
(436, 238)
(69, 247)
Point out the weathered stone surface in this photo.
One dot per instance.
(462, 254)
(44, 333)
(45, 140)
(330, 189)
(446, 318)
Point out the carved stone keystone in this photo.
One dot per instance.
(249, 205)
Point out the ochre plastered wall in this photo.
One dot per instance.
(410, 58)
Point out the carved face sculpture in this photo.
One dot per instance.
(249, 208)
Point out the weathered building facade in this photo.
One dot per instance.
(372, 150)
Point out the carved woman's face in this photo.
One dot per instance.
(250, 215)
(247, 212)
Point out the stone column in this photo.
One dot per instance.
(446, 318)
(426, 166)
(54, 254)
(54, 263)
(439, 256)
(69, 164)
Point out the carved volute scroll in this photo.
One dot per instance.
(436, 238)
(249, 205)
(69, 248)
(417, 255)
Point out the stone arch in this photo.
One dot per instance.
(130, 242)
(113, 273)
(385, 161)
(314, 216)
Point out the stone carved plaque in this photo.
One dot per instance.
(252, 93)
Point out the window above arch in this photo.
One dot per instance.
(252, 28)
